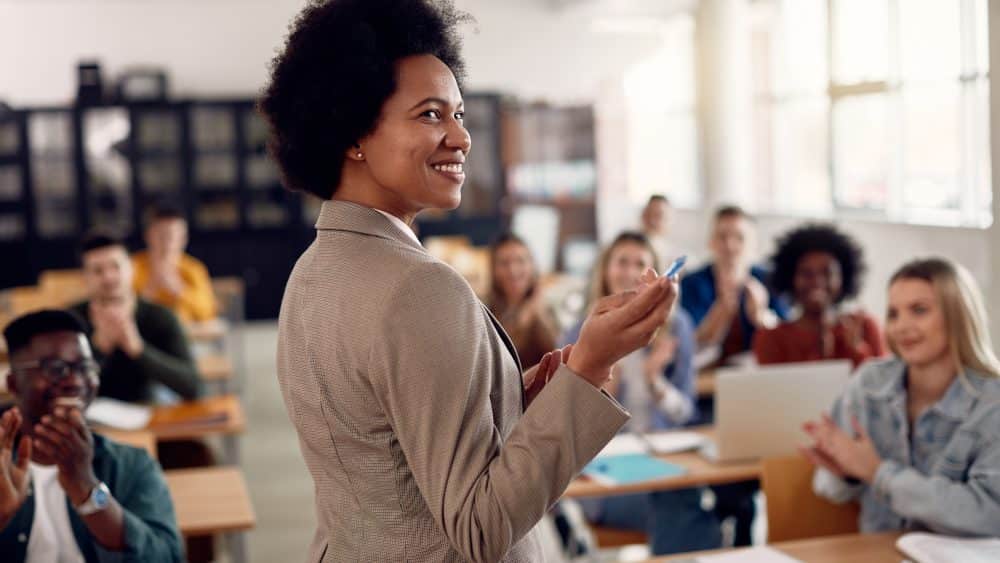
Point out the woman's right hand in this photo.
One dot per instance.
(620, 324)
(14, 476)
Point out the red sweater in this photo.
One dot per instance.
(794, 342)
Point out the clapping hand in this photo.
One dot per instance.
(64, 437)
(14, 476)
(536, 377)
(620, 324)
(839, 453)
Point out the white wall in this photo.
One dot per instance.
(219, 47)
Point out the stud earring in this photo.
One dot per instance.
(360, 155)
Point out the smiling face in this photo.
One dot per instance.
(818, 281)
(415, 155)
(915, 324)
(513, 271)
(626, 264)
(34, 391)
(731, 239)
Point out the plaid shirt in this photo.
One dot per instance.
(944, 474)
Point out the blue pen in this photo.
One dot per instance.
(675, 266)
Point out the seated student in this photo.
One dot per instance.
(164, 274)
(915, 437)
(656, 385)
(68, 494)
(515, 299)
(141, 346)
(655, 220)
(727, 299)
(728, 302)
(819, 267)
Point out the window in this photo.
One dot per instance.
(660, 121)
(874, 108)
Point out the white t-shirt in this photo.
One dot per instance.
(52, 539)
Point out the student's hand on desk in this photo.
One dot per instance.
(537, 376)
(620, 324)
(14, 477)
(64, 436)
(840, 453)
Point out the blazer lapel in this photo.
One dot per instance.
(509, 344)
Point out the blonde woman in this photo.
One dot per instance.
(917, 438)
(656, 385)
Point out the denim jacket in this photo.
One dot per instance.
(944, 475)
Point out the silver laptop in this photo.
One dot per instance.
(759, 410)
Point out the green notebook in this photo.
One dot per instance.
(630, 468)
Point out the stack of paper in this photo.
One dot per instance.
(934, 548)
(672, 442)
(661, 443)
(118, 414)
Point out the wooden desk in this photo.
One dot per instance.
(137, 438)
(222, 414)
(870, 548)
(700, 471)
(210, 500)
(215, 367)
(213, 500)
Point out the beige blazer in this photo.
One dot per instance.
(408, 402)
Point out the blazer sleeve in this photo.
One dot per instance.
(431, 369)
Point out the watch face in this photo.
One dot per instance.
(101, 498)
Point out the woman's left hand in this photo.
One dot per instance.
(855, 456)
(536, 377)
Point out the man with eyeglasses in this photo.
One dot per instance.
(68, 495)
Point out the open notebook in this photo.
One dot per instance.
(630, 468)
(933, 548)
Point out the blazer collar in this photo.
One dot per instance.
(336, 215)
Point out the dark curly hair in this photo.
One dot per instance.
(337, 68)
(818, 238)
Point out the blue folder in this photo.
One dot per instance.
(630, 468)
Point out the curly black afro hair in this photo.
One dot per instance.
(337, 68)
(817, 238)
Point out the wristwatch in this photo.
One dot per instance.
(99, 499)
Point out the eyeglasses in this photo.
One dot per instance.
(55, 370)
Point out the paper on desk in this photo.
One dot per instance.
(935, 548)
(624, 444)
(118, 414)
(673, 442)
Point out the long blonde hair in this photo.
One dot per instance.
(964, 313)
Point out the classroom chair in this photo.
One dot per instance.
(794, 511)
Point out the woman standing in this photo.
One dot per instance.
(422, 439)
(915, 437)
(516, 300)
